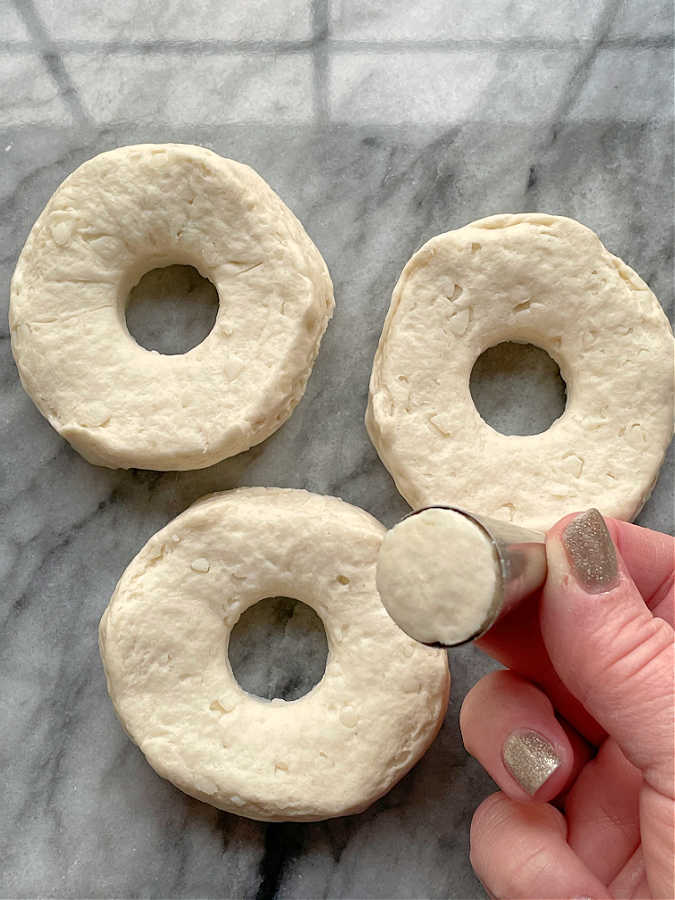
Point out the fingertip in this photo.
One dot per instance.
(478, 697)
(509, 725)
(591, 556)
(537, 765)
(561, 524)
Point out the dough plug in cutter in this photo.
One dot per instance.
(446, 575)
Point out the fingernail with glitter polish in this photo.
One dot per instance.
(591, 553)
(530, 758)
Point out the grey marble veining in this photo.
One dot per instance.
(380, 124)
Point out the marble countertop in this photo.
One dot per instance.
(380, 124)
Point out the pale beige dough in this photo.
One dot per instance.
(438, 576)
(164, 638)
(537, 279)
(137, 208)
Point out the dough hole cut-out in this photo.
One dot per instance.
(529, 278)
(278, 649)
(171, 310)
(144, 207)
(517, 388)
(164, 636)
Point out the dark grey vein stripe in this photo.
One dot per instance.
(51, 56)
(216, 47)
(320, 31)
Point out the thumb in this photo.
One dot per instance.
(617, 659)
(606, 646)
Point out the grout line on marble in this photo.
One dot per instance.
(51, 57)
(331, 45)
(188, 132)
(320, 59)
(514, 45)
(582, 68)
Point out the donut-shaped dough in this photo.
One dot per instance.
(164, 639)
(537, 279)
(120, 215)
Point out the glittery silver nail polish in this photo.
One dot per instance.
(591, 552)
(530, 758)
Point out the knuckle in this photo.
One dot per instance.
(641, 649)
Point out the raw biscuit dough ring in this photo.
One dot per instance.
(164, 639)
(537, 279)
(120, 215)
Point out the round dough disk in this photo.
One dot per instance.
(537, 279)
(120, 215)
(438, 576)
(164, 638)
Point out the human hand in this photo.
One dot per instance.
(579, 731)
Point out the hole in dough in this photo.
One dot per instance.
(518, 388)
(278, 648)
(172, 309)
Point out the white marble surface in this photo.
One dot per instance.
(380, 124)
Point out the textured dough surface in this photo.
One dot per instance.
(120, 215)
(438, 575)
(537, 279)
(164, 638)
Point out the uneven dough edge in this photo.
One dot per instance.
(421, 742)
(95, 446)
(377, 420)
